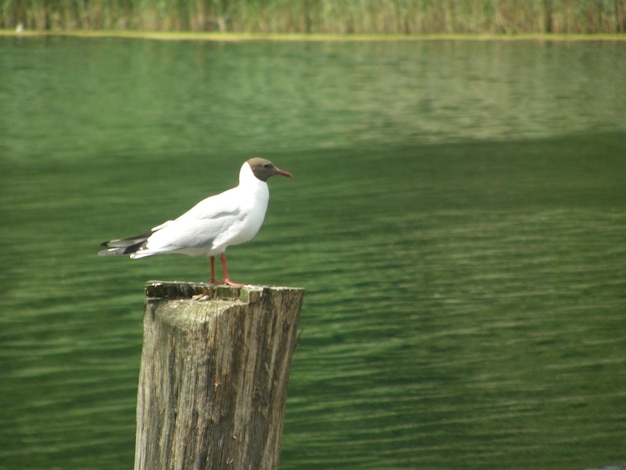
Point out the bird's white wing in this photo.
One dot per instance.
(214, 207)
(197, 229)
(163, 225)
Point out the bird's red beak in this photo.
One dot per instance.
(283, 173)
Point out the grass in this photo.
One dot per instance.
(407, 17)
(233, 37)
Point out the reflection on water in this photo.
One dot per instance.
(148, 96)
(456, 216)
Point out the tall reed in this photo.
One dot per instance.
(321, 16)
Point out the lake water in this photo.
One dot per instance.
(457, 216)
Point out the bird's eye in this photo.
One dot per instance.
(267, 165)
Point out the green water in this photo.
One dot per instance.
(457, 217)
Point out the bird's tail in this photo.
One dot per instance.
(125, 246)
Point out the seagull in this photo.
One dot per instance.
(208, 228)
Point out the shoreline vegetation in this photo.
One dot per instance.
(273, 19)
(234, 37)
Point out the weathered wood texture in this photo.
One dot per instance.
(214, 372)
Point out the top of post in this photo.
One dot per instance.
(179, 290)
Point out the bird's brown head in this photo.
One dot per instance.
(263, 169)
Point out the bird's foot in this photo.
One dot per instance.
(228, 282)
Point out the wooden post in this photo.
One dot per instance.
(214, 372)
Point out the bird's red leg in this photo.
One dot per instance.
(213, 281)
(227, 281)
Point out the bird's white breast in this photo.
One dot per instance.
(253, 199)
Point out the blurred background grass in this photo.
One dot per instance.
(321, 16)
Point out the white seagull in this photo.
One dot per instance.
(215, 223)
